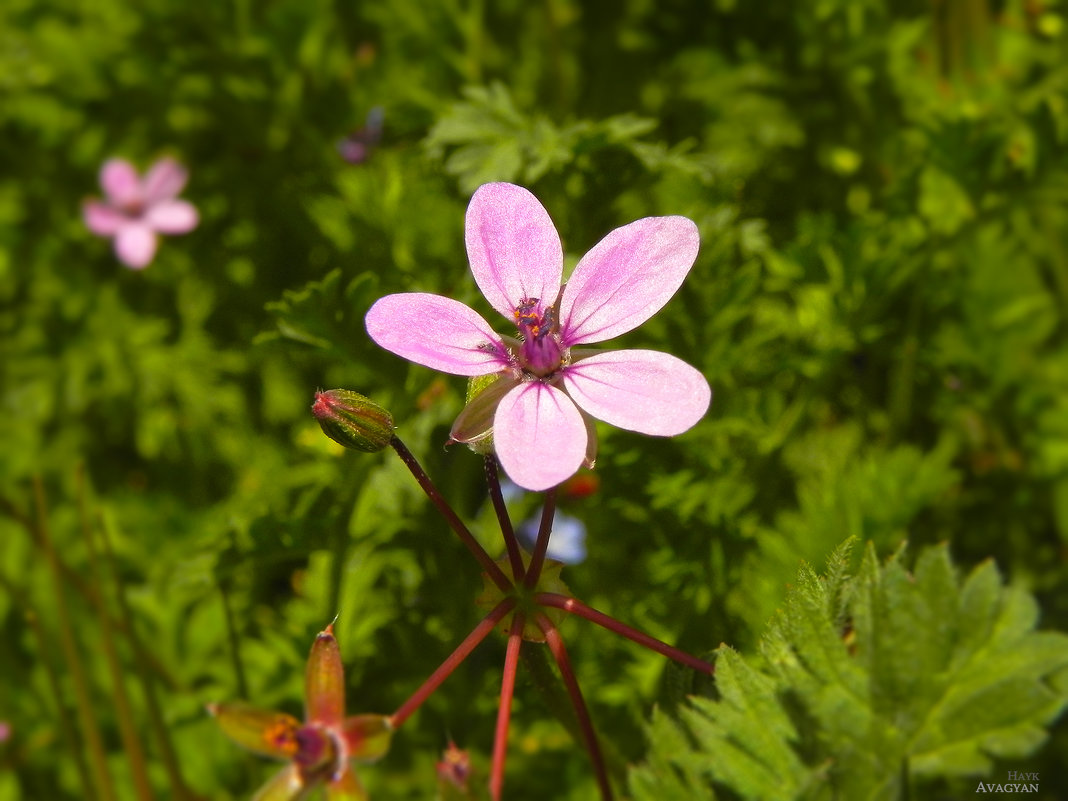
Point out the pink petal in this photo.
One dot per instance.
(135, 245)
(539, 436)
(513, 247)
(164, 180)
(436, 332)
(172, 217)
(121, 183)
(640, 390)
(627, 278)
(102, 219)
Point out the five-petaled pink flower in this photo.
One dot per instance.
(135, 210)
(320, 749)
(538, 410)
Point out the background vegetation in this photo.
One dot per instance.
(880, 305)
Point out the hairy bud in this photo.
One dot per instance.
(352, 420)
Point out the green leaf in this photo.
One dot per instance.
(867, 679)
(943, 202)
(323, 314)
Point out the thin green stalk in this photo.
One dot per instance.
(1058, 259)
(233, 641)
(78, 583)
(349, 492)
(180, 791)
(68, 727)
(338, 552)
(102, 781)
(131, 740)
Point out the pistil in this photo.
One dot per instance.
(541, 353)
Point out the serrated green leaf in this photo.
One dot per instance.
(929, 676)
(661, 778)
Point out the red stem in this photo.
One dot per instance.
(556, 645)
(504, 711)
(610, 623)
(510, 542)
(457, 525)
(477, 635)
(530, 580)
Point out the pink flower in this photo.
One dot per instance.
(135, 210)
(547, 388)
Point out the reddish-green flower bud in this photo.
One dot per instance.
(352, 420)
(454, 770)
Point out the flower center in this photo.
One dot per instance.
(133, 207)
(281, 734)
(317, 751)
(541, 353)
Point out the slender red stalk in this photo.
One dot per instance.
(457, 525)
(504, 710)
(477, 635)
(530, 580)
(601, 619)
(556, 645)
(510, 542)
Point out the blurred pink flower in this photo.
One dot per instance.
(538, 410)
(135, 210)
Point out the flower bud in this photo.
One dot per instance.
(352, 420)
(454, 770)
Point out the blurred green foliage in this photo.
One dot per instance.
(879, 304)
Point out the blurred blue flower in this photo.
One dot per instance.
(567, 542)
(511, 491)
(357, 146)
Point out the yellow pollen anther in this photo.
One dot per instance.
(281, 735)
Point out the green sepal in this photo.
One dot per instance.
(474, 425)
(548, 581)
(367, 736)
